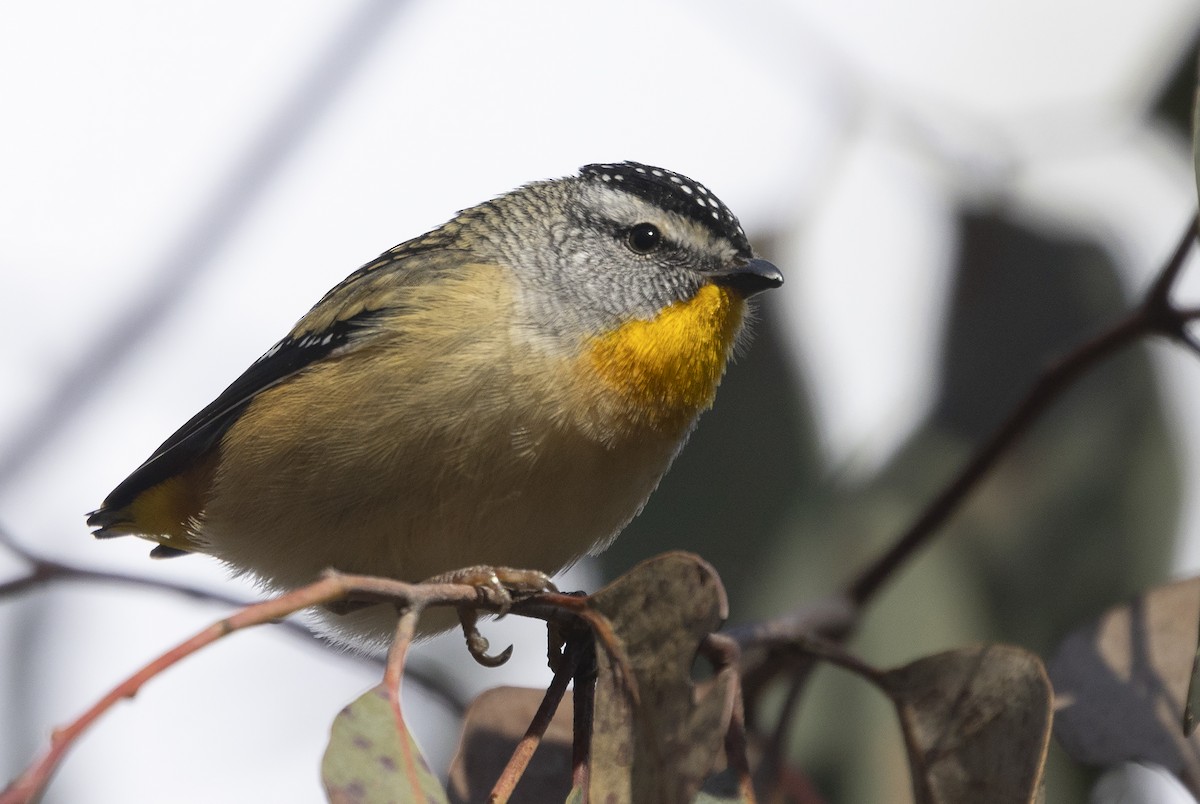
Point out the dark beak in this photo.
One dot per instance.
(754, 276)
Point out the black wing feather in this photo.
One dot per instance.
(204, 430)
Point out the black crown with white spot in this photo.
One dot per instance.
(673, 192)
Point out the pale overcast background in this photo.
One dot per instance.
(189, 177)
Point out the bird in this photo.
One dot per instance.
(505, 390)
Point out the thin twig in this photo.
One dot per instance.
(393, 676)
(584, 698)
(44, 571)
(802, 669)
(724, 654)
(1154, 316)
(332, 587)
(406, 627)
(523, 753)
(829, 651)
(47, 570)
(735, 747)
(1160, 289)
(829, 616)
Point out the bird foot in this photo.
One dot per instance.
(497, 585)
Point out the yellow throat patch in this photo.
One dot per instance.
(667, 369)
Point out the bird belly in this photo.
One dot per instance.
(462, 470)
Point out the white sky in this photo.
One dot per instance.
(126, 122)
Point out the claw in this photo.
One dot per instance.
(477, 644)
(496, 586)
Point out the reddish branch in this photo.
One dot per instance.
(333, 587)
(42, 571)
(523, 753)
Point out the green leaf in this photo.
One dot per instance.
(372, 758)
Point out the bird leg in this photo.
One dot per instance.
(497, 584)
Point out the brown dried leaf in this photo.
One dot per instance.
(659, 745)
(495, 722)
(372, 758)
(976, 724)
(1121, 682)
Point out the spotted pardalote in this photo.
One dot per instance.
(505, 390)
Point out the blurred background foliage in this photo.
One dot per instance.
(1081, 514)
(204, 152)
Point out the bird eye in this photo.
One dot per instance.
(644, 238)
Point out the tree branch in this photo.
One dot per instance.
(331, 588)
(44, 571)
(1154, 316)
